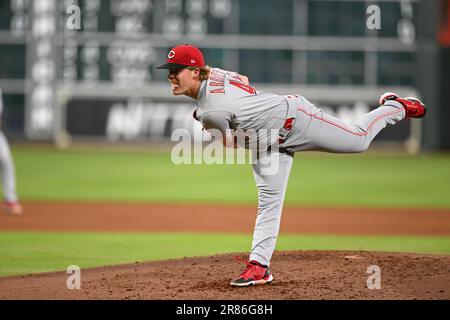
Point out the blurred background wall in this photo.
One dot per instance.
(98, 82)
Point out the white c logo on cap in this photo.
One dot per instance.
(171, 54)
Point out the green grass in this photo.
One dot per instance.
(370, 179)
(30, 252)
(317, 179)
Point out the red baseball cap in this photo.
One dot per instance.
(183, 56)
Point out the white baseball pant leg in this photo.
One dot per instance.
(313, 130)
(7, 170)
(271, 191)
(316, 130)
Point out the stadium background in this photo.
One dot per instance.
(89, 118)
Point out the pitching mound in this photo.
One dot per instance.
(298, 275)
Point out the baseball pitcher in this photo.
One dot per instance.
(226, 102)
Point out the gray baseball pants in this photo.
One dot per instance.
(312, 130)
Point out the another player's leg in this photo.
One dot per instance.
(316, 130)
(271, 190)
(11, 205)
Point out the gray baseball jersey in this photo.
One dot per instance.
(224, 102)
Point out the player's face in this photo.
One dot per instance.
(183, 81)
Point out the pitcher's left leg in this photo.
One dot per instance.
(323, 132)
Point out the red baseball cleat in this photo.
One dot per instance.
(414, 108)
(254, 274)
(13, 208)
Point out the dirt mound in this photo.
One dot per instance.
(298, 275)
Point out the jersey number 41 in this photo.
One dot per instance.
(244, 87)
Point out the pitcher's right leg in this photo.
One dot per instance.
(271, 172)
(271, 190)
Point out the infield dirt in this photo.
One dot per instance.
(298, 275)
